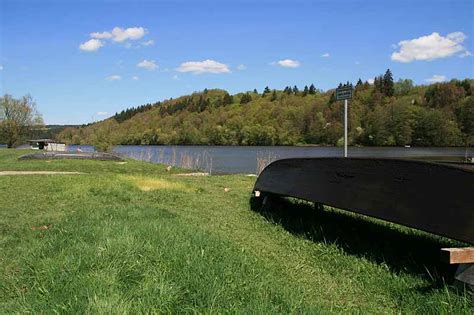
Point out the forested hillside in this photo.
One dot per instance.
(383, 113)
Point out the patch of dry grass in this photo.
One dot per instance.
(149, 183)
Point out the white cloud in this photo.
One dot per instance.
(114, 77)
(148, 42)
(370, 81)
(117, 34)
(436, 78)
(101, 35)
(91, 45)
(101, 113)
(135, 77)
(431, 47)
(132, 33)
(147, 64)
(289, 63)
(241, 67)
(205, 66)
(326, 55)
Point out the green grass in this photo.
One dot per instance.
(133, 238)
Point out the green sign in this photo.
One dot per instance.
(344, 92)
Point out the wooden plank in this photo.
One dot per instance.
(432, 197)
(463, 255)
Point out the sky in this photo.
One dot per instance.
(83, 61)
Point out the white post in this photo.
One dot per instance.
(345, 128)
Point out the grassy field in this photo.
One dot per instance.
(134, 238)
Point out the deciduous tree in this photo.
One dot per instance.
(17, 117)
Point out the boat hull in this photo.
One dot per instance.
(432, 197)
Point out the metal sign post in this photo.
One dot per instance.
(345, 128)
(344, 92)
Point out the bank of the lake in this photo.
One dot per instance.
(251, 159)
(134, 238)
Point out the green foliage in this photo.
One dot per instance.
(387, 84)
(433, 128)
(465, 115)
(227, 99)
(130, 112)
(384, 84)
(245, 98)
(17, 119)
(444, 95)
(439, 114)
(403, 87)
(266, 91)
(274, 96)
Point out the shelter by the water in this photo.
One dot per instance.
(47, 145)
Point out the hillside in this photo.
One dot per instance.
(382, 114)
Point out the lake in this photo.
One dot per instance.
(251, 159)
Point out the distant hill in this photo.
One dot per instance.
(383, 114)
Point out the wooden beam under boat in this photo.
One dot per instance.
(433, 197)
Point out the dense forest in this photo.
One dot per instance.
(385, 113)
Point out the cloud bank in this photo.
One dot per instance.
(205, 66)
(431, 47)
(436, 78)
(289, 63)
(117, 34)
(114, 77)
(91, 45)
(147, 64)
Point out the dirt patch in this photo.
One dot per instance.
(11, 173)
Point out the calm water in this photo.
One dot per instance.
(243, 159)
(250, 160)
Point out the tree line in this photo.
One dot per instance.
(385, 113)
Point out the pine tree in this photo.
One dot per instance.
(255, 91)
(202, 104)
(378, 83)
(245, 98)
(274, 96)
(359, 83)
(295, 89)
(227, 99)
(312, 89)
(387, 83)
(332, 98)
(287, 90)
(266, 91)
(306, 90)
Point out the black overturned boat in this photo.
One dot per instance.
(435, 197)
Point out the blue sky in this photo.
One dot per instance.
(84, 60)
